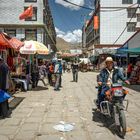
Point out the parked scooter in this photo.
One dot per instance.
(113, 106)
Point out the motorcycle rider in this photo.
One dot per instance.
(108, 76)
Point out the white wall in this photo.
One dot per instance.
(135, 41)
(11, 9)
(113, 23)
(114, 3)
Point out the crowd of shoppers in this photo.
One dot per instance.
(48, 72)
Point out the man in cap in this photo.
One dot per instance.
(108, 76)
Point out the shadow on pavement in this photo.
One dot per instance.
(104, 121)
(134, 87)
(39, 88)
(15, 102)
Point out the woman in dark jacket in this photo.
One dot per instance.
(4, 70)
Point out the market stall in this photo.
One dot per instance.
(9, 47)
(135, 74)
(31, 49)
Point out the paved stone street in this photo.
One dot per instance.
(41, 109)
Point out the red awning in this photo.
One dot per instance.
(4, 43)
(17, 44)
(8, 42)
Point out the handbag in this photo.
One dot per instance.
(4, 96)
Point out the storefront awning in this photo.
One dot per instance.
(120, 50)
(110, 50)
(4, 41)
(132, 50)
(9, 42)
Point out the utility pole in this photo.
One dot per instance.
(84, 33)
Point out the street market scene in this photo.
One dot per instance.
(69, 70)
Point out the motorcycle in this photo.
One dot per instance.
(113, 107)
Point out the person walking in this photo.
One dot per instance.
(64, 67)
(58, 72)
(34, 74)
(50, 72)
(28, 74)
(4, 86)
(129, 70)
(75, 67)
(42, 74)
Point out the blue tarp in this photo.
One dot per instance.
(121, 55)
(132, 50)
(121, 50)
(4, 96)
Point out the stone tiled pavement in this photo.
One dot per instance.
(41, 109)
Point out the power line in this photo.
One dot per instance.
(88, 8)
(125, 27)
(119, 9)
(78, 5)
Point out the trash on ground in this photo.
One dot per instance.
(64, 127)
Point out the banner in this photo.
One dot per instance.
(28, 13)
(96, 22)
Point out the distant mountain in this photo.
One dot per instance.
(65, 46)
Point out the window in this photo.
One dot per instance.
(138, 18)
(131, 12)
(131, 27)
(31, 34)
(127, 1)
(34, 17)
(30, 0)
(10, 32)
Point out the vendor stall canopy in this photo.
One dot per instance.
(132, 50)
(33, 47)
(9, 42)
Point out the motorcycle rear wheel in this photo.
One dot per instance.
(122, 127)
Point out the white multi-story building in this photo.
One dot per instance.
(115, 16)
(40, 27)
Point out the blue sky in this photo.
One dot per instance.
(69, 19)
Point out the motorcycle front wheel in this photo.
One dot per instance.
(122, 127)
